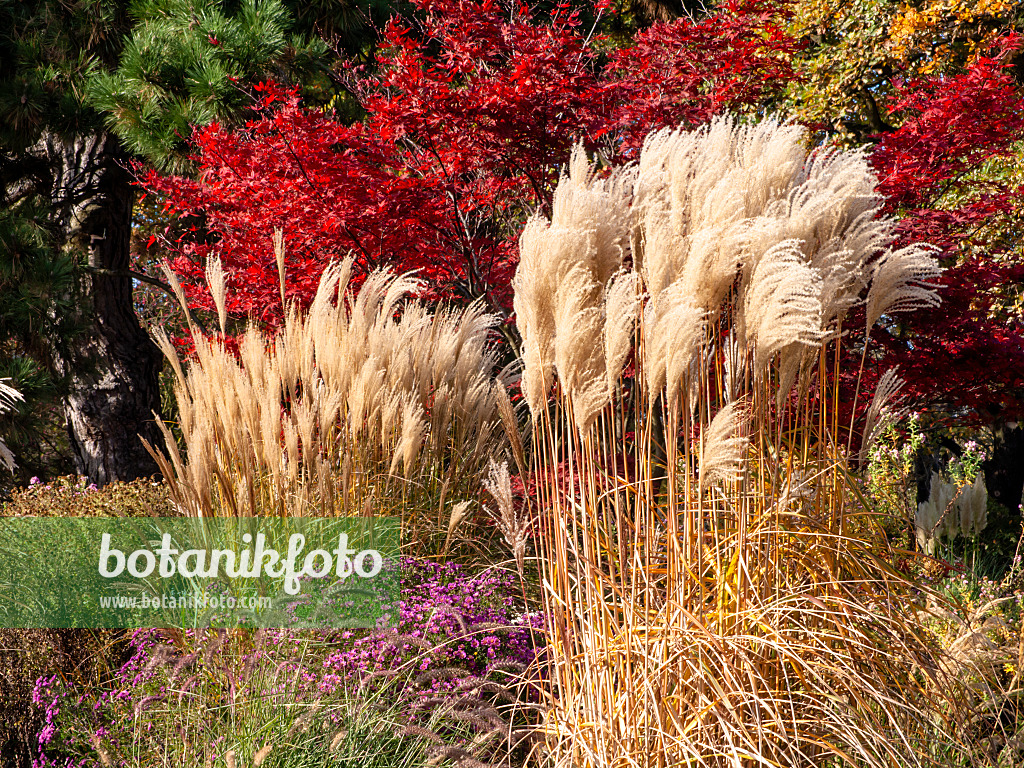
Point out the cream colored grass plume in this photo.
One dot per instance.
(9, 398)
(716, 592)
(368, 399)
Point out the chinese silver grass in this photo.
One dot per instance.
(510, 422)
(733, 367)
(781, 306)
(564, 266)
(881, 413)
(724, 445)
(279, 252)
(218, 290)
(459, 514)
(586, 202)
(673, 328)
(833, 190)
(900, 282)
(972, 507)
(623, 301)
(367, 395)
(579, 351)
(936, 519)
(663, 557)
(7, 457)
(513, 523)
(536, 281)
(943, 494)
(172, 280)
(696, 193)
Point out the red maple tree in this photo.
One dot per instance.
(473, 112)
(938, 173)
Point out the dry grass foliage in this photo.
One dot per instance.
(716, 594)
(367, 401)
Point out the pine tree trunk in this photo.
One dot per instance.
(112, 367)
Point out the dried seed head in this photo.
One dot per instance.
(278, 239)
(901, 282)
(673, 328)
(724, 446)
(622, 307)
(218, 289)
(882, 412)
(781, 304)
(514, 524)
(458, 515)
(262, 755)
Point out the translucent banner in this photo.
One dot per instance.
(199, 572)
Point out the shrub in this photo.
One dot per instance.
(70, 496)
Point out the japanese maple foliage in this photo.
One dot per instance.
(937, 172)
(472, 114)
(329, 189)
(689, 72)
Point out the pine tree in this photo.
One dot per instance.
(86, 87)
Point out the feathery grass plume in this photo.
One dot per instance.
(781, 306)
(218, 290)
(324, 413)
(734, 360)
(579, 351)
(841, 261)
(972, 507)
(881, 413)
(950, 511)
(564, 268)
(414, 427)
(833, 189)
(900, 282)
(9, 398)
(585, 202)
(673, 327)
(622, 304)
(172, 280)
(773, 158)
(724, 446)
(278, 240)
(696, 194)
(746, 623)
(535, 313)
(936, 519)
(510, 421)
(514, 524)
(459, 514)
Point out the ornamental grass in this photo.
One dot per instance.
(365, 402)
(717, 591)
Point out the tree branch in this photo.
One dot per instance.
(149, 280)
